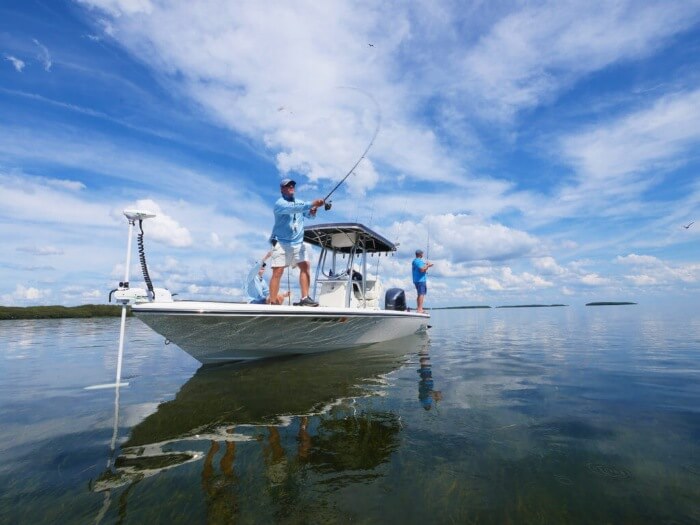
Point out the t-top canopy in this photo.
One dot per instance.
(342, 236)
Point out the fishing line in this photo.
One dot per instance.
(328, 204)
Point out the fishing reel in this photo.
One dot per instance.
(327, 205)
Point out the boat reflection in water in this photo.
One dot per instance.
(304, 403)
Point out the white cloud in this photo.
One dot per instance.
(44, 55)
(638, 260)
(35, 199)
(654, 271)
(311, 52)
(651, 139)
(118, 7)
(642, 280)
(162, 227)
(71, 185)
(40, 250)
(548, 266)
(214, 240)
(468, 238)
(24, 294)
(504, 279)
(593, 279)
(16, 62)
(531, 54)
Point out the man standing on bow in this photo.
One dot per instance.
(420, 278)
(287, 240)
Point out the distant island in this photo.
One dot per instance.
(531, 305)
(608, 303)
(60, 312)
(456, 307)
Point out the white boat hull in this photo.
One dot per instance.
(214, 332)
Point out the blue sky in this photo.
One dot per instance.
(543, 151)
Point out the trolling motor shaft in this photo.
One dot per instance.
(124, 294)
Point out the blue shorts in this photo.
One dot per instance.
(421, 288)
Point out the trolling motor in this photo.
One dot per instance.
(123, 293)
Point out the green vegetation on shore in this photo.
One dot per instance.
(60, 312)
(608, 303)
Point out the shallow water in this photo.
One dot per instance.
(544, 415)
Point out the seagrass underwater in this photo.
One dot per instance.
(558, 415)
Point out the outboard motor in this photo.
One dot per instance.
(395, 299)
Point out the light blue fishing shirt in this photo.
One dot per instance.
(255, 287)
(289, 221)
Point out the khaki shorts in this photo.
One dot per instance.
(289, 255)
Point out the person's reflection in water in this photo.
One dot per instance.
(275, 458)
(426, 392)
(304, 438)
(220, 489)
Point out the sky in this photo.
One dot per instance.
(539, 152)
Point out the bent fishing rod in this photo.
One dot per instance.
(327, 204)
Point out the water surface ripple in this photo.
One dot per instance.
(547, 415)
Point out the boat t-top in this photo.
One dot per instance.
(350, 311)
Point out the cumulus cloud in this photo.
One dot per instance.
(504, 279)
(468, 238)
(548, 266)
(593, 279)
(23, 294)
(652, 271)
(16, 62)
(162, 227)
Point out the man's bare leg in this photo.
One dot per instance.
(304, 278)
(275, 284)
(419, 302)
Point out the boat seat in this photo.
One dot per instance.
(370, 290)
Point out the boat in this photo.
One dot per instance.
(350, 313)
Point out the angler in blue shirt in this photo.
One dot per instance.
(420, 278)
(287, 240)
(256, 288)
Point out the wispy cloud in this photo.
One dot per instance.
(40, 250)
(16, 62)
(623, 149)
(533, 53)
(44, 55)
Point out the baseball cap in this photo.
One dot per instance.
(287, 182)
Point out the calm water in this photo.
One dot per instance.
(559, 415)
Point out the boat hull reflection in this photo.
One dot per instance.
(220, 398)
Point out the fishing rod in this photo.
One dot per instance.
(327, 204)
(427, 248)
